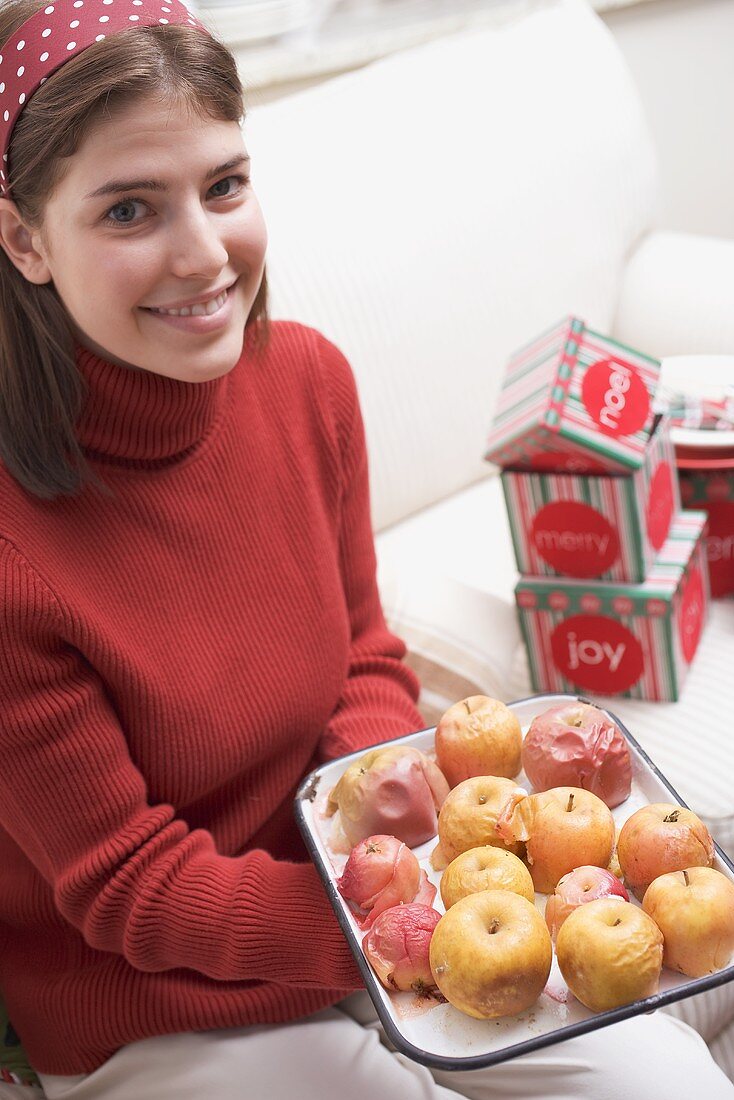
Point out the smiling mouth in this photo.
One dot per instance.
(201, 309)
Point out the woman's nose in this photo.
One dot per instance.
(196, 246)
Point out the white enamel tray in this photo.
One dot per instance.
(440, 1035)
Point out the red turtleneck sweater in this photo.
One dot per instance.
(173, 661)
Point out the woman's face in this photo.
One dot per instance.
(155, 212)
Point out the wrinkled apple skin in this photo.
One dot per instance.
(610, 953)
(469, 816)
(563, 828)
(478, 736)
(381, 872)
(397, 947)
(395, 790)
(658, 838)
(576, 745)
(579, 887)
(491, 954)
(485, 868)
(694, 910)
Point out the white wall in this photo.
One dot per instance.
(681, 53)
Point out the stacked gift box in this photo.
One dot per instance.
(713, 492)
(613, 590)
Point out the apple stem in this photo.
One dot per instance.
(569, 807)
(617, 921)
(466, 704)
(685, 876)
(494, 927)
(672, 816)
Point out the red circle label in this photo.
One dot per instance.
(660, 505)
(720, 546)
(574, 538)
(615, 397)
(690, 617)
(597, 653)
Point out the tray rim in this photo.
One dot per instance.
(306, 793)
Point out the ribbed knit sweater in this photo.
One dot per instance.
(173, 661)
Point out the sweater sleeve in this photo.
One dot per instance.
(129, 875)
(378, 701)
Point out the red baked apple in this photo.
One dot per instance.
(397, 947)
(392, 789)
(658, 838)
(478, 736)
(381, 872)
(576, 745)
(578, 887)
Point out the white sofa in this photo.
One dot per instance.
(430, 213)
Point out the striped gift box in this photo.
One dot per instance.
(574, 399)
(607, 526)
(713, 491)
(614, 639)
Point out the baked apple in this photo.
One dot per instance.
(610, 953)
(576, 745)
(579, 887)
(392, 789)
(381, 872)
(478, 736)
(563, 828)
(694, 909)
(491, 954)
(658, 838)
(468, 817)
(397, 947)
(485, 868)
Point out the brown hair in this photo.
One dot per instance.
(42, 392)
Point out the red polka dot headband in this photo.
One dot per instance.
(55, 34)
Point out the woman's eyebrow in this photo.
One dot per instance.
(112, 187)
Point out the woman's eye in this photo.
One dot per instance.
(123, 213)
(230, 185)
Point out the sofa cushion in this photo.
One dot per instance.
(675, 297)
(432, 211)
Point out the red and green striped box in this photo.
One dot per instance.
(574, 399)
(614, 639)
(713, 491)
(607, 526)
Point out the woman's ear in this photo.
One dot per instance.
(22, 244)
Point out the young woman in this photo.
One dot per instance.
(189, 614)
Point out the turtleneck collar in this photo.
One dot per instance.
(138, 416)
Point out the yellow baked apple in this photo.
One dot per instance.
(610, 953)
(563, 828)
(485, 868)
(478, 736)
(468, 817)
(694, 909)
(491, 954)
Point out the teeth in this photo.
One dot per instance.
(201, 309)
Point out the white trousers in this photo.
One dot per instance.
(342, 1053)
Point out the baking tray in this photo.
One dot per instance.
(436, 1034)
